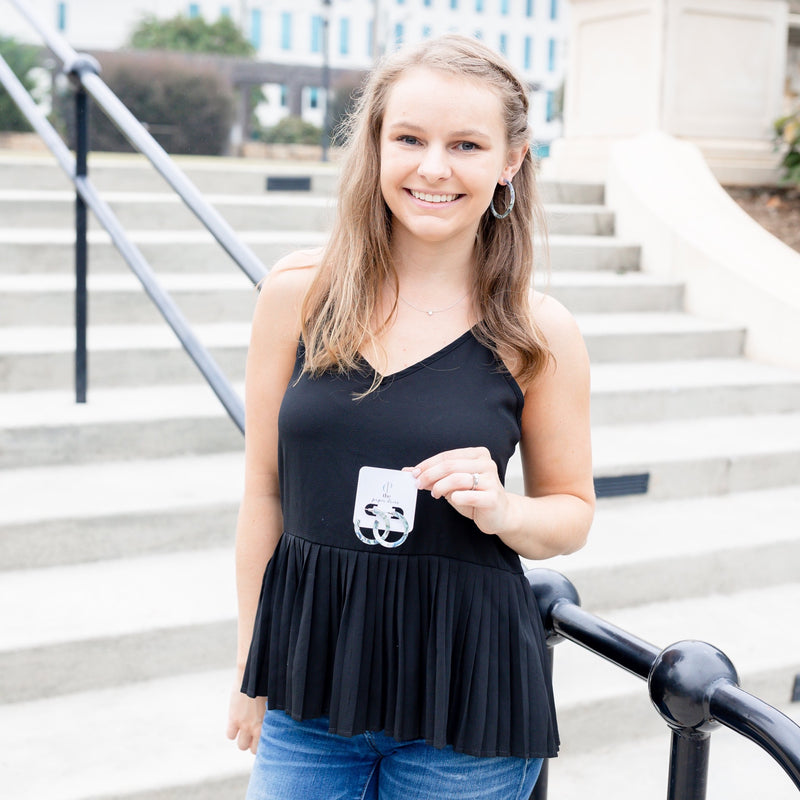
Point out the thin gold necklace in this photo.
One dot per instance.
(430, 312)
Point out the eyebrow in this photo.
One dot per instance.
(468, 133)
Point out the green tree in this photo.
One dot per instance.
(21, 58)
(191, 35)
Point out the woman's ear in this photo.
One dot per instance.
(514, 161)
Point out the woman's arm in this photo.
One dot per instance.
(270, 361)
(555, 514)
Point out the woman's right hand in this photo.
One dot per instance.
(245, 716)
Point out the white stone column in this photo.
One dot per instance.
(710, 71)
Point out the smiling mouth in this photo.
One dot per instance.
(434, 198)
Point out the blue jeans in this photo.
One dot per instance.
(302, 761)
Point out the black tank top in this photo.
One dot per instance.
(439, 638)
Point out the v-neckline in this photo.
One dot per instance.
(423, 362)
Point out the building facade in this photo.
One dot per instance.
(348, 34)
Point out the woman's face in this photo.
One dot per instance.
(443, 151)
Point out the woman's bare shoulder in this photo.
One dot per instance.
(555, 322)
(570, 361)
(283, 290)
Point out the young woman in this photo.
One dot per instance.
(384, 616)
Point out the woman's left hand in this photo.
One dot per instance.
(467, 478)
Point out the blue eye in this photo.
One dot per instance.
(468, 147)
(408, 139)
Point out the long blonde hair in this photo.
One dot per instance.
(339, 310)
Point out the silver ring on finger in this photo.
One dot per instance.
(475, 477)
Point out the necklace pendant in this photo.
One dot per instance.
(430, 313)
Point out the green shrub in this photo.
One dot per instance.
(292, 130)
(21, 58)
(187, 108)
(787, 135)
(192, 35)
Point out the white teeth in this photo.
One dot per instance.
(434, 198)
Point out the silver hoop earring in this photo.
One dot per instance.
(510, 203)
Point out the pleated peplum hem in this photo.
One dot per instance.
(417, 646)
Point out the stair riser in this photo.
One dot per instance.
(143, 178)
(161, 216)
(629, 407)
(721, 572)
(196, 257)
(48, 671)
(580, 223)
(616, 299)
(227, 305)
(715, 476)
(73, 444)
(127, 307)
(582, 193)
(76, 540)
(605, 348)
(698, 477)
(163, 257)
(113, 368)
(24, 372)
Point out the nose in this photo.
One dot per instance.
(434, 165)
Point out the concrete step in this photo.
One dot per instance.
(161, 211)
(47, 298)
(108, 623)
(172, 740)
(657, 337)
(753, 628)
(571, 192)
(611, 292)
(40, 358)
(132, 173)
(712, 456)
(272, 211)
(139, 741)
(48, 427)
(52, 250)
(74, 513)
(119, 355)
(624, 393)
(738, 769)
(41, 428)
(696, 457)
(644, 551)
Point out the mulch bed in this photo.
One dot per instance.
(776, 209)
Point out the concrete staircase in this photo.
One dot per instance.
(117, 518)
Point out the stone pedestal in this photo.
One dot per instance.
(711, 71)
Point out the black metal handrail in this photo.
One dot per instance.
(693, 685)
(83, 72)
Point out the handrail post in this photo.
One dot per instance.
(540, 787)
(688, 764)
(81, 247)
(681, 682)
(550, 589)
(74, 70)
